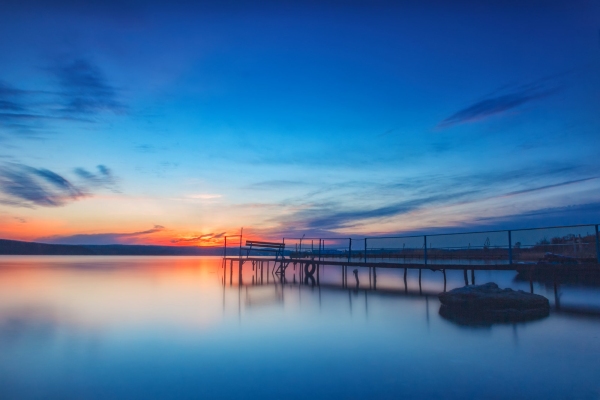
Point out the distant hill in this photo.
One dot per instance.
(15, 247)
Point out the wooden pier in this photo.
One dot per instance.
(310, 268)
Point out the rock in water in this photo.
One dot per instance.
(489, 303)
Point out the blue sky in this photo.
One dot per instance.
(331, 118)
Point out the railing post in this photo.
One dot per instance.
(425, 247)
(225, 248)
(349, 249)
(597, 245)
(319, 252)
(241, 233)
(365, 250)
(510, 261)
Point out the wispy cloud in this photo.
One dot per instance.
(205, 196)
(85, 90)
(498, 103)
(9, 98)
(209, 238)
(545, 187)
(352, 205)
(330, 218)
(26, 186)
(17, 112)
(78, 91)
(104, 177)
(275, 184)
(564, 215)
(102, 238)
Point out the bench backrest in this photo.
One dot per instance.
(267, 245)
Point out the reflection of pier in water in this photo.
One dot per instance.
(307, 275)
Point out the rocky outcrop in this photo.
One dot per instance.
(489, 303)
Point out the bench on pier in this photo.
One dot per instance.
(273, 247)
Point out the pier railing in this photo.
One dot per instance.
(572, 244)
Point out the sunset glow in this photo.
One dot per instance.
(176, 124)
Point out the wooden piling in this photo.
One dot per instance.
(444, 272)
(531, 280)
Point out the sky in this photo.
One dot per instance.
(177, 123)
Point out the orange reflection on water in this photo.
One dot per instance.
(91, 293)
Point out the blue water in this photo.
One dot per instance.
(170, 327)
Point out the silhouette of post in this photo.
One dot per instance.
(531, 280)
(444, 271)
(366, 249)
(349, 249)
(241, 233)
(320, 250)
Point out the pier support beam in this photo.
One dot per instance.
(444, 272)
(531, 280)
(350, 250)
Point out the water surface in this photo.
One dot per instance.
(172, 327)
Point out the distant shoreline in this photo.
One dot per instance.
(16, 247)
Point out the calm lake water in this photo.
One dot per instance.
(171, 327)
